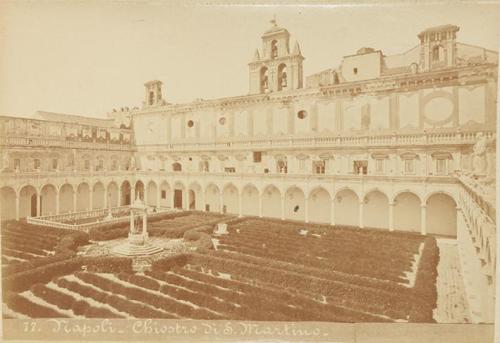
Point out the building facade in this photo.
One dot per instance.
(401, 142)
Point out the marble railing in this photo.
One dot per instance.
(56, 142)
(416, 139)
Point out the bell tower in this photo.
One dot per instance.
(278, 68)
(153, 93)
(438, 47)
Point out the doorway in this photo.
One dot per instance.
(178, 198)
(33, 205)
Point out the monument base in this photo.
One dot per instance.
(136, 245)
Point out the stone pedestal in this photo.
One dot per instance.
(221, 229)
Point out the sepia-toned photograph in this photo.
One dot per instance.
(242, 171)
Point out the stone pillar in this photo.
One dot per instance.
(75, 192)
(361, 205)
(158, 197)
(260, 205)
(119, 195)
(306, 210)
(38, 201)
(391, 216)
(202, 201)
(423, 224)
(144, 222)
(91, 199)
(145, 195)
(221, 204)
(282, 207)
(17, 206)
(132, 194)
(172, 205)
(57, 201)
(131, 221)
(332, 212)
(240, 201)
(106, 197)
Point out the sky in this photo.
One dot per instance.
(90, 57)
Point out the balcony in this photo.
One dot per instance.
(52, 142)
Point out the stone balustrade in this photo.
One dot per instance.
(61, 142)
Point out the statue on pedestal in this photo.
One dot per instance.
(479, 155)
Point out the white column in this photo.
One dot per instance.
(260, 205)
(282, 207)
(131, 221)
(332, 212)
(423, 224)
(17, 206)
(91, 199)
(172, 205)
(119, 195)
(132, 193)
(202, 201)
(306, 210)
(144, 223)
(240, 201)
(38, 201)
(361, 205)
(391, 216)
(145, 195)
(221, 205)
(158, 196)
(75, 192)
(57, 200)
(106, 197)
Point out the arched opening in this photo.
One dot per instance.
(151, 98)
(179, 195)
(27, 202)
(271, 202)
(152, 194)
(295, 204)
(264, 80)
(113, 200)
(177, 166)
(8, 203)
(212, 198)
(347, 208)
(66, 198)
(282, 77)
(48, 199)
(437, 53)
(98, 194)
(407, 212)
(165, 195)
(274, 49)
(193, 201)
(319, 205)
(250, 201)
(82, 197)
(139, 190)
(230, 199)
(125, 190)
(441, 215)
(376, 210)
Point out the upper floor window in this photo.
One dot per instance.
(163, 194)
(204, 166)
(114, 165)
(263, 80)
(257, 156)
(36, 163)
(360, 167)
(230, 170)
(54, 163)
(86, 165)
(379, 166)
(100, 165)
(282, 77)
(437, 53)
(151, 98)
(319, 167)
(274, 49)
(302, 114)
(281, 166)
(17, 164)
(177, 166)
(441, 166)
(409, 166)
(355, 71)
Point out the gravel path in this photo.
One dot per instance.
(452, 306)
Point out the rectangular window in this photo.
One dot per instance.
(17, 164)
(230, 170)
(114, 165)
(360, 167)
(100, 165)
(281, 167)
(302, 165)
(86, 165)
(410, 166)
(379, 166)
(441, 166)
(54, 163)
(257, 156)
(319, 167)
(36, 163)
(163, 194)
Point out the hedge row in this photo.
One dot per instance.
(425, 283)
(24, 306)
(133, 293)
(23, 280)
(135, 309)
